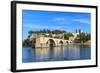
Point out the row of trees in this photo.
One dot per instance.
(52, 31)
(48, 31)
(84, 37)
(27, 43)
(68, 35)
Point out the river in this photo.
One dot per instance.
(69, 52)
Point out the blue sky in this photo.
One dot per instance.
(68, 21)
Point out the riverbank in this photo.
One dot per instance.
(86, 43)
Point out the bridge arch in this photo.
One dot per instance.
(61, 43)
(67, 42)
(50, 43)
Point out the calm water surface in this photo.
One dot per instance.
(69, 52)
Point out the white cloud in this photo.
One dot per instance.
(82, 21)
(59, 19)
(33, 26)
(28, 25)
(37, 26)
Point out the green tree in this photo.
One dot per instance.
(30, 32)
(83, 37)
(67, 35)
(79, 30)
(26, 43)
(88, 37)
(58, 31)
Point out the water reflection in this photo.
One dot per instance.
(69, 52)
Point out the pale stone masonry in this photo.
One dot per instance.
(44, 40)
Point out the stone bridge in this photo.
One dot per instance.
(48, 41)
